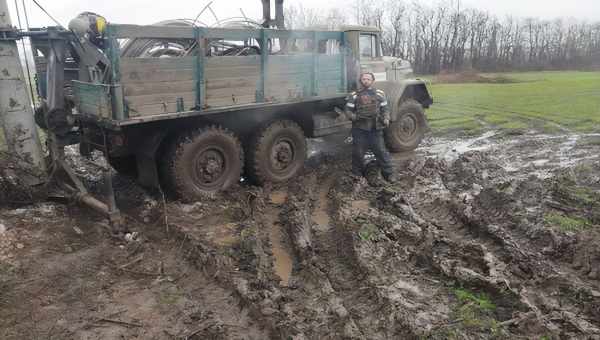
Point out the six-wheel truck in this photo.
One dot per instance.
(195, 108)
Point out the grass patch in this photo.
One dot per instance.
(568, 191)
(170, 296)
(565, 223)
(473, 77)
(458, 125)
(550, 102)
(367, 232)
(473, 315)
(481, 300)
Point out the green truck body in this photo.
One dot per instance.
(163, 86)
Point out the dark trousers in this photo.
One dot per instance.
(363, 140)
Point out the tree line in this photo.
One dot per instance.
(449, 37)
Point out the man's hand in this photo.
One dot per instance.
(386, 122)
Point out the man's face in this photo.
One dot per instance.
(366, 80)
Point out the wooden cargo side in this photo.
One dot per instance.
(153, 85)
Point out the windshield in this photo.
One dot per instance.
(368, 45)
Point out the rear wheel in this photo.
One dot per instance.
(200, 163)
(407, 131)
(277, 153)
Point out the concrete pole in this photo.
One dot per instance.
(16, 112)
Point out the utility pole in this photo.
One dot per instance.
(16, 112)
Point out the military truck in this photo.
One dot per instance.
(195, 108)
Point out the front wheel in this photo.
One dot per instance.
(407, 131)
(276, 153)
(202, 162)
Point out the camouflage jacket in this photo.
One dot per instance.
(367, 109)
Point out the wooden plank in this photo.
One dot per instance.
(159, 98)
(221, 83)
(149, 31)
(326, 76)
(305, 58)
(222, 102)
(282, 81)
(158, 75)
(142, 64)
(231, 72)
(329, 62)
(153, 109)
(329, 90)
(232, 61)
(136, 89)
(287, 94)
(288, 69)
(228, 92)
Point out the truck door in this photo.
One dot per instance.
(371, 58)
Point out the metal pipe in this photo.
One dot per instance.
(279, 18)
(55, 74)
(16, 111)
(93, 203)
(266, 13)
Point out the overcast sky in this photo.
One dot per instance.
(150, 11)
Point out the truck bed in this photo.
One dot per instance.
(155, 89)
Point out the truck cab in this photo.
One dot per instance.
(366, 46)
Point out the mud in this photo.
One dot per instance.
(494, 237)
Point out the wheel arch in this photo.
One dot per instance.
(398, 92)
(417, 90)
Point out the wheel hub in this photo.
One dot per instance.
(408, 125)
(210, 166)
(282, 155)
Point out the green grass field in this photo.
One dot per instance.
(549, 102)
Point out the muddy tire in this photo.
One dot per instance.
(277, 153)
(407, 131)
(126, 165)
(202, 162)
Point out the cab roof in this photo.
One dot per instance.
(360, 28)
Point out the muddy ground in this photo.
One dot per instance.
(492, 237)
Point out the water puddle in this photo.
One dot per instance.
(278, 197)
(565, 150)
(283, 261)
(450, 150)
(321, 215)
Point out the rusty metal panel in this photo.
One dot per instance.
(92, 99)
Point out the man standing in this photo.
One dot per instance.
(369, 112)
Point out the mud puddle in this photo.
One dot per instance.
(531, 154)
(450, 150)
(283, 261)
(321, 213)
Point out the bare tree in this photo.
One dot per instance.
(450, 37)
